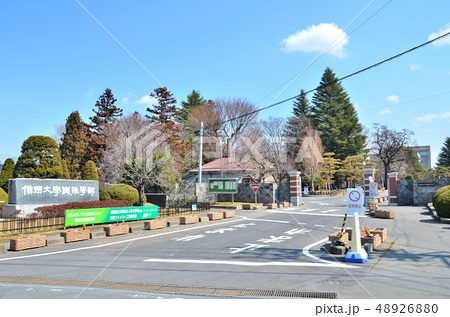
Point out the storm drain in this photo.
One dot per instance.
(178, 289)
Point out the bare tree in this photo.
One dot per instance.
(138, 155)
(311, 154)
(389, 145)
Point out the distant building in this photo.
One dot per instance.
(423, 154)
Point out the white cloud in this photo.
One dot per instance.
(428, 118)
(393, 99)
(443, 41)
(385, 112)
(318, 38)
(125, 100)
(146, 100)
(445, 115)
(414, 67)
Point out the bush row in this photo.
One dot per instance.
(60, 210)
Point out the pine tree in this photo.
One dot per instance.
(302, 107)
(335, 118)
(194, 100)
(297, 125)
(105, 113)
(73, 145)
(40, 158)
(6, 173)
(443, 159)
(164, 114)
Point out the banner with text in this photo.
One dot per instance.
(78, 217)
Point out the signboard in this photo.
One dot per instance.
(223, 185)
(78, 217)
(51, 191)
(373, 189)
(255, 187)
(355, 201)
(305, 190)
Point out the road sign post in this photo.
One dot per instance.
(255, 188)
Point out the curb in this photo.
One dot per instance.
(435, 215)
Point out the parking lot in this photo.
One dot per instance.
(259, 253)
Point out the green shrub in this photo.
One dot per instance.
(438, 192)
(124, 192)
(89, 171)
(3, 197)
(103, 194)
(442, 204)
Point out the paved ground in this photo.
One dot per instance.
(262, 250)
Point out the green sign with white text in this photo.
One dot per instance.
(223, 185)
(78, 217)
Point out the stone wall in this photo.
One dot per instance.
(418, 192)
(267, 193)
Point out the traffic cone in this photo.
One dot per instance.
(356, 254)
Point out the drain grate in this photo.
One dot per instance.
(178, 289)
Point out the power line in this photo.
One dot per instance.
(338, 80)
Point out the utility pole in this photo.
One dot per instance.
(200, 154)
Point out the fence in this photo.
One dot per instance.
(183, 209)
(19, 225)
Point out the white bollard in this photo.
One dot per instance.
(356, 254)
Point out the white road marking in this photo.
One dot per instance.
(124, 241)
(244, 263)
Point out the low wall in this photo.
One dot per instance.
(418, 192)
(267, 193)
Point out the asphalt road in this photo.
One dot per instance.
(280, 253)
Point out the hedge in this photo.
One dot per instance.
(60, 210)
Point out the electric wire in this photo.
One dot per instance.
(337, 80)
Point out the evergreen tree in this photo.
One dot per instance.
(164, 114)
(89, 171)
(6, 173)
(297, 126)
(66, 173)
(302, 107)
(193, 100)
(335, 118)
(40, 158)
(73, 145)
(443, 159)
(330, 166)
(105, 113)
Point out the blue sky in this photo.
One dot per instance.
(58, 56)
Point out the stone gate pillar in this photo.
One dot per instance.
(392, 189)
(367, 179)
(295, 185)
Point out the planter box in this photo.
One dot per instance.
(382, 232)
(154, 224)
(386, 214)
(27, 242)
(116, 229)
(335, 236)
(248, 206)
(215, 215)
(375, 240)
(188, 219)
(76, 235)
(285, 204)
(229, 213)
(272, 206)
